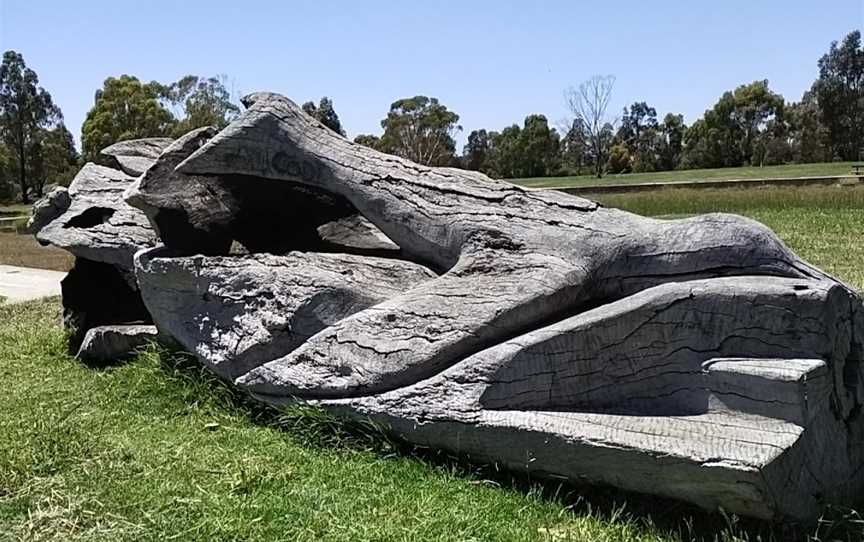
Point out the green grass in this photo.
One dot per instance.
(14, 209)
(158, 449)
(767, 172)
(24, 251)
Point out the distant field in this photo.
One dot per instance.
(23, 250)
(767, 172)
(14, 209)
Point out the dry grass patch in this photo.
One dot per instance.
(23, 250)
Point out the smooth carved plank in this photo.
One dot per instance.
(791, 389)
(512, 258)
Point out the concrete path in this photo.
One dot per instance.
(22, 283)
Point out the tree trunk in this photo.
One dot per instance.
(22, 173)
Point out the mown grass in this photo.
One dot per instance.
(23, 250)
(14, 209)
(158, 449)
(767, 172)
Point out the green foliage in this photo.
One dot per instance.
(636, 120)
(741, 129)
(531, 151)
(642, 144)
(840, 95)
(576, 149)
(420, 129)
(54, 159)
(368, 140)
(475, 154)
(808, 136)
(540, 147)
(673, 132)
(124, 108)
(7, 177)
(505, 153)
(198, 102)
(26, 110)
(619, 159)
(325, 114)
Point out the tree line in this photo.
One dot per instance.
(748, 125)
(36, 149)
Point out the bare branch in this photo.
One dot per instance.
(588, 105)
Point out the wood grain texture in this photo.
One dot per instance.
(98, 225)
(236, 313)
(135, 156)
(510, 258)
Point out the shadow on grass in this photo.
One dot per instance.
(315, 428)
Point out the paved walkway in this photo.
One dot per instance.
(22, 283)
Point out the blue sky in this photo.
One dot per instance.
(491, 62)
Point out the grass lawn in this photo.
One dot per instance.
(157, 449)
(791, 170)
(14, 209)
(23, 250)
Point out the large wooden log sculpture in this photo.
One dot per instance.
(698, 359)
(92, 221)
(135, 156)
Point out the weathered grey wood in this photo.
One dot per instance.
(200, 214)
(92, 221)
(98, 225)
(511, 258)
(48, 208)
(617, 395)
(356, 233)
(239, 312)
(107, 344)
(188, 212)
(134, 156)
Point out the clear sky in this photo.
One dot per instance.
(493, 62)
